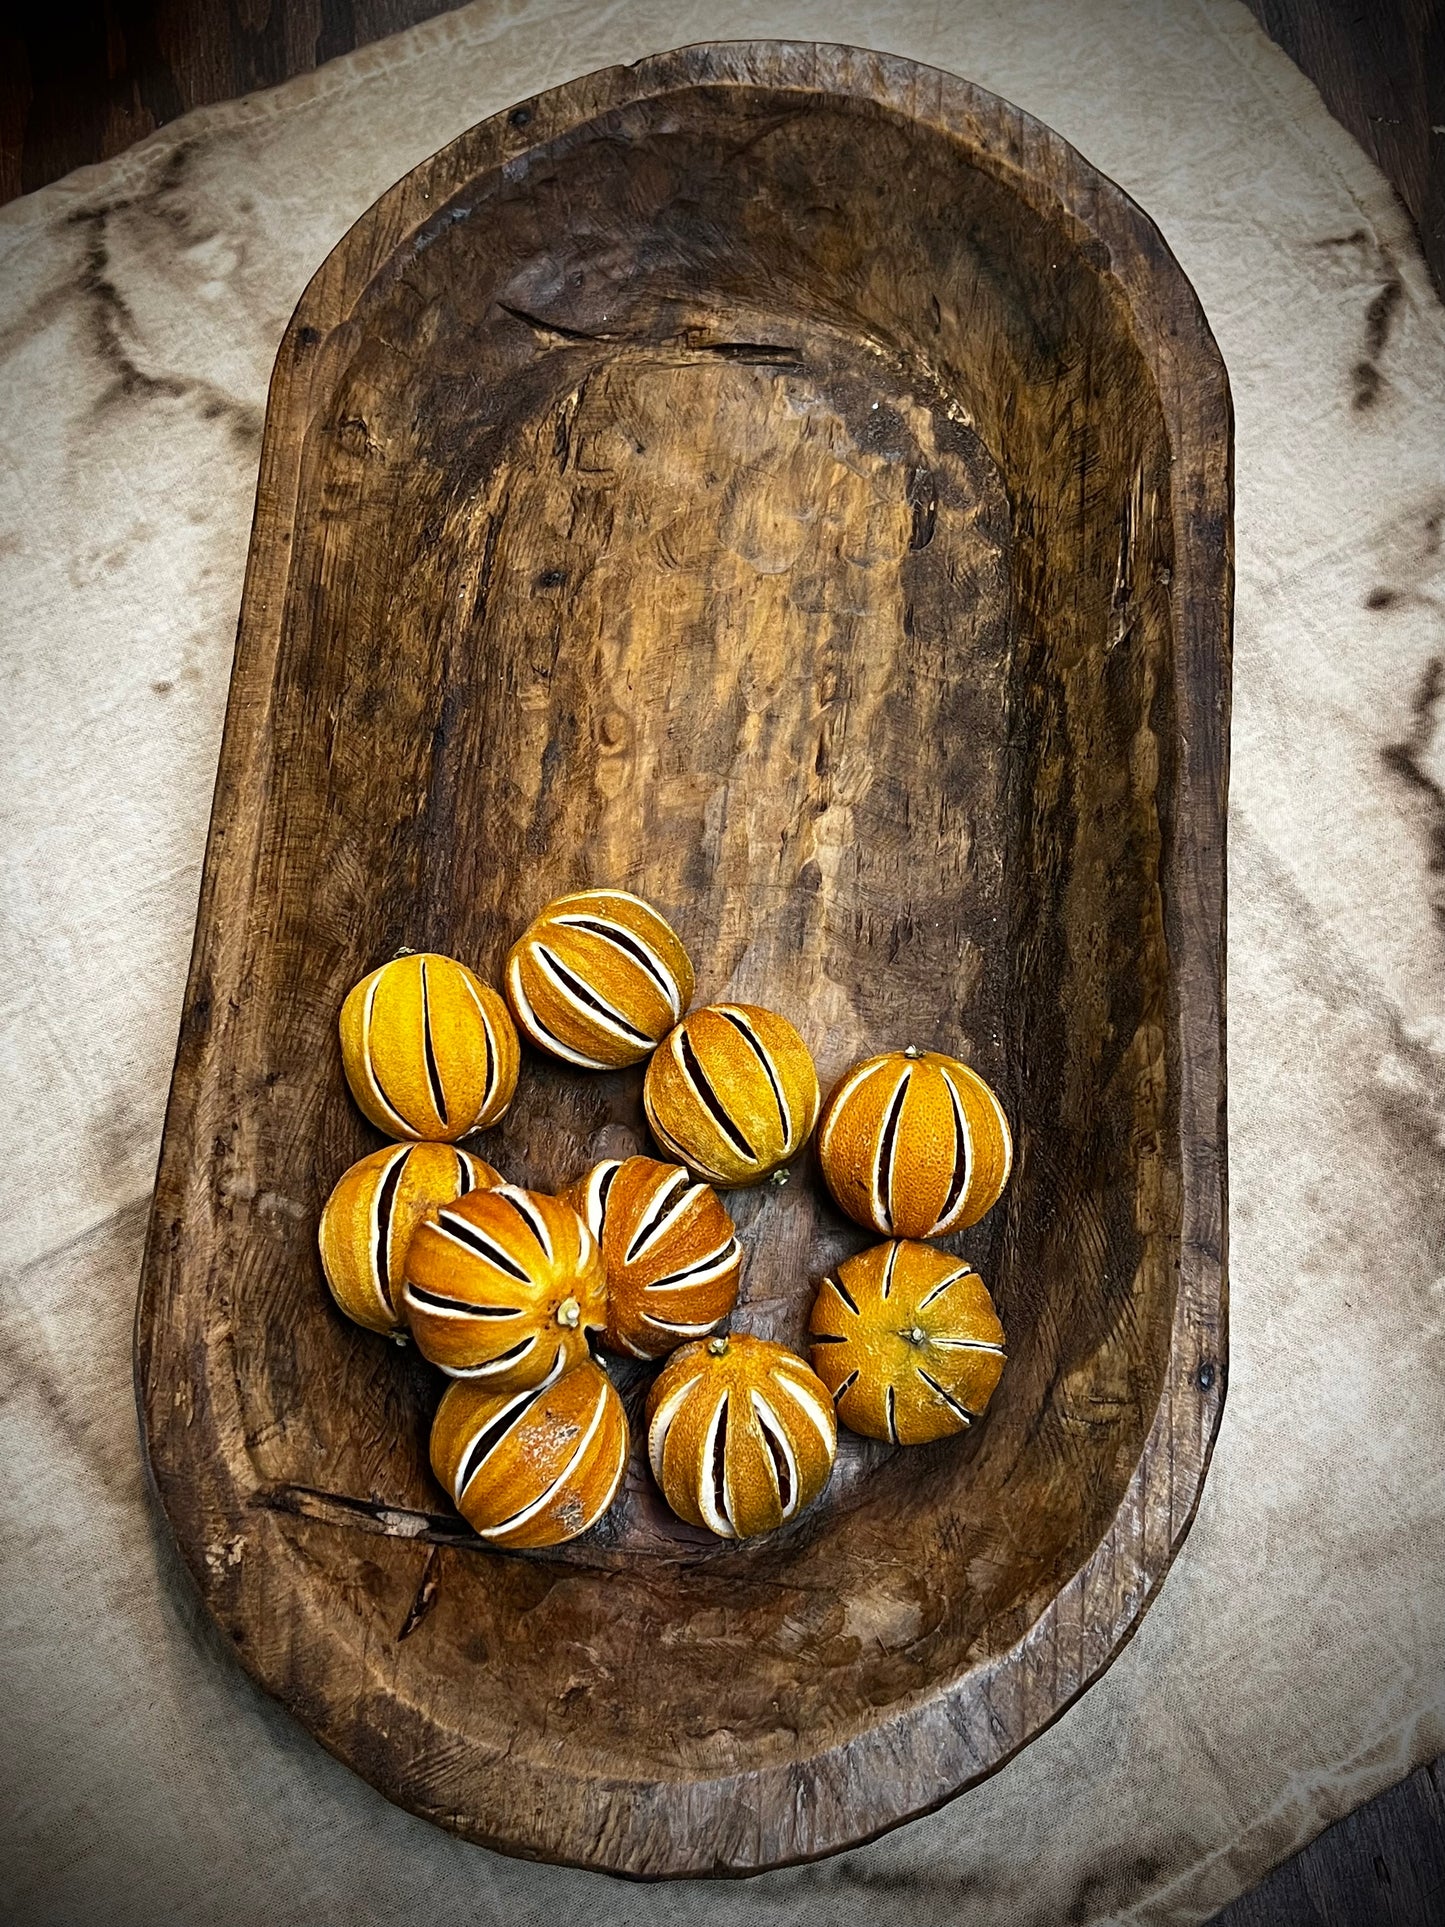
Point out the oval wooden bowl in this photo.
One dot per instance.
(792, 484)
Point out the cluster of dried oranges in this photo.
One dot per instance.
(504, 1288)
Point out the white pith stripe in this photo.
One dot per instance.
(822, 1421)
(844, 1307)
(704, 1110)
(965, 1345)
(540, 1036)
(438, 1225)
(595, 1214)
(883, 1206)
(607, 1019)
(889, 1266)
(605, 890)
(774, 1428)
(617, 1476)
(661, 1419)
(718, 1522)
(689, 1158)
(940, 1392)
(844, 1386)
(666, 979)
(670, 1143)
(449, 1219)
(378, 1280)
(523, 1203)
(508, 1363)
(770, 1075)
(965, 1143)
(589, 899)
(486, 1371)
(964, 1271)
(587, 1245)
(494, 1056)
(488, 1314)
(684, 1331)
(528, 1513)
(722, 1261)
(836, 1104)
(372, 1085)
(518, 1398)
(667, 1221)
(435, 1085)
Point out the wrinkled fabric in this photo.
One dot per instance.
(1291, 1667)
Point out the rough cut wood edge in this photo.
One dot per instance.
(927, 1755)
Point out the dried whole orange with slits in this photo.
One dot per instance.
(908, 1343)
(671, 1255)
(598, 978)
(368, 1221)
(429, 1050)
(535, 1467)
(914, 1144)
(503, 1287)
(740, 1435)
(732, 1093)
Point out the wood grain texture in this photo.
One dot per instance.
(789, 483)
(1383, 1866)
(1381, 72)
(81, 79)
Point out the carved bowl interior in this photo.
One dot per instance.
(794, 487)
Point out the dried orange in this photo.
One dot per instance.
(914, 1144)
(740, 1435)
(368, 1221)
(429, 1051)
(598, 978)
(732, 1093)
(503, 1286)
(907, 1341)
(535, 1467)
(671, 1255)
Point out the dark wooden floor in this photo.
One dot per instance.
(1383, 1866)
(81, 79)
(1380, 65)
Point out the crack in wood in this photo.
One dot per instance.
(426, 1594)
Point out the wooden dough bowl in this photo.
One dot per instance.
(790, 483)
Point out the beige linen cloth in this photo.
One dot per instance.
(1292, 1666)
